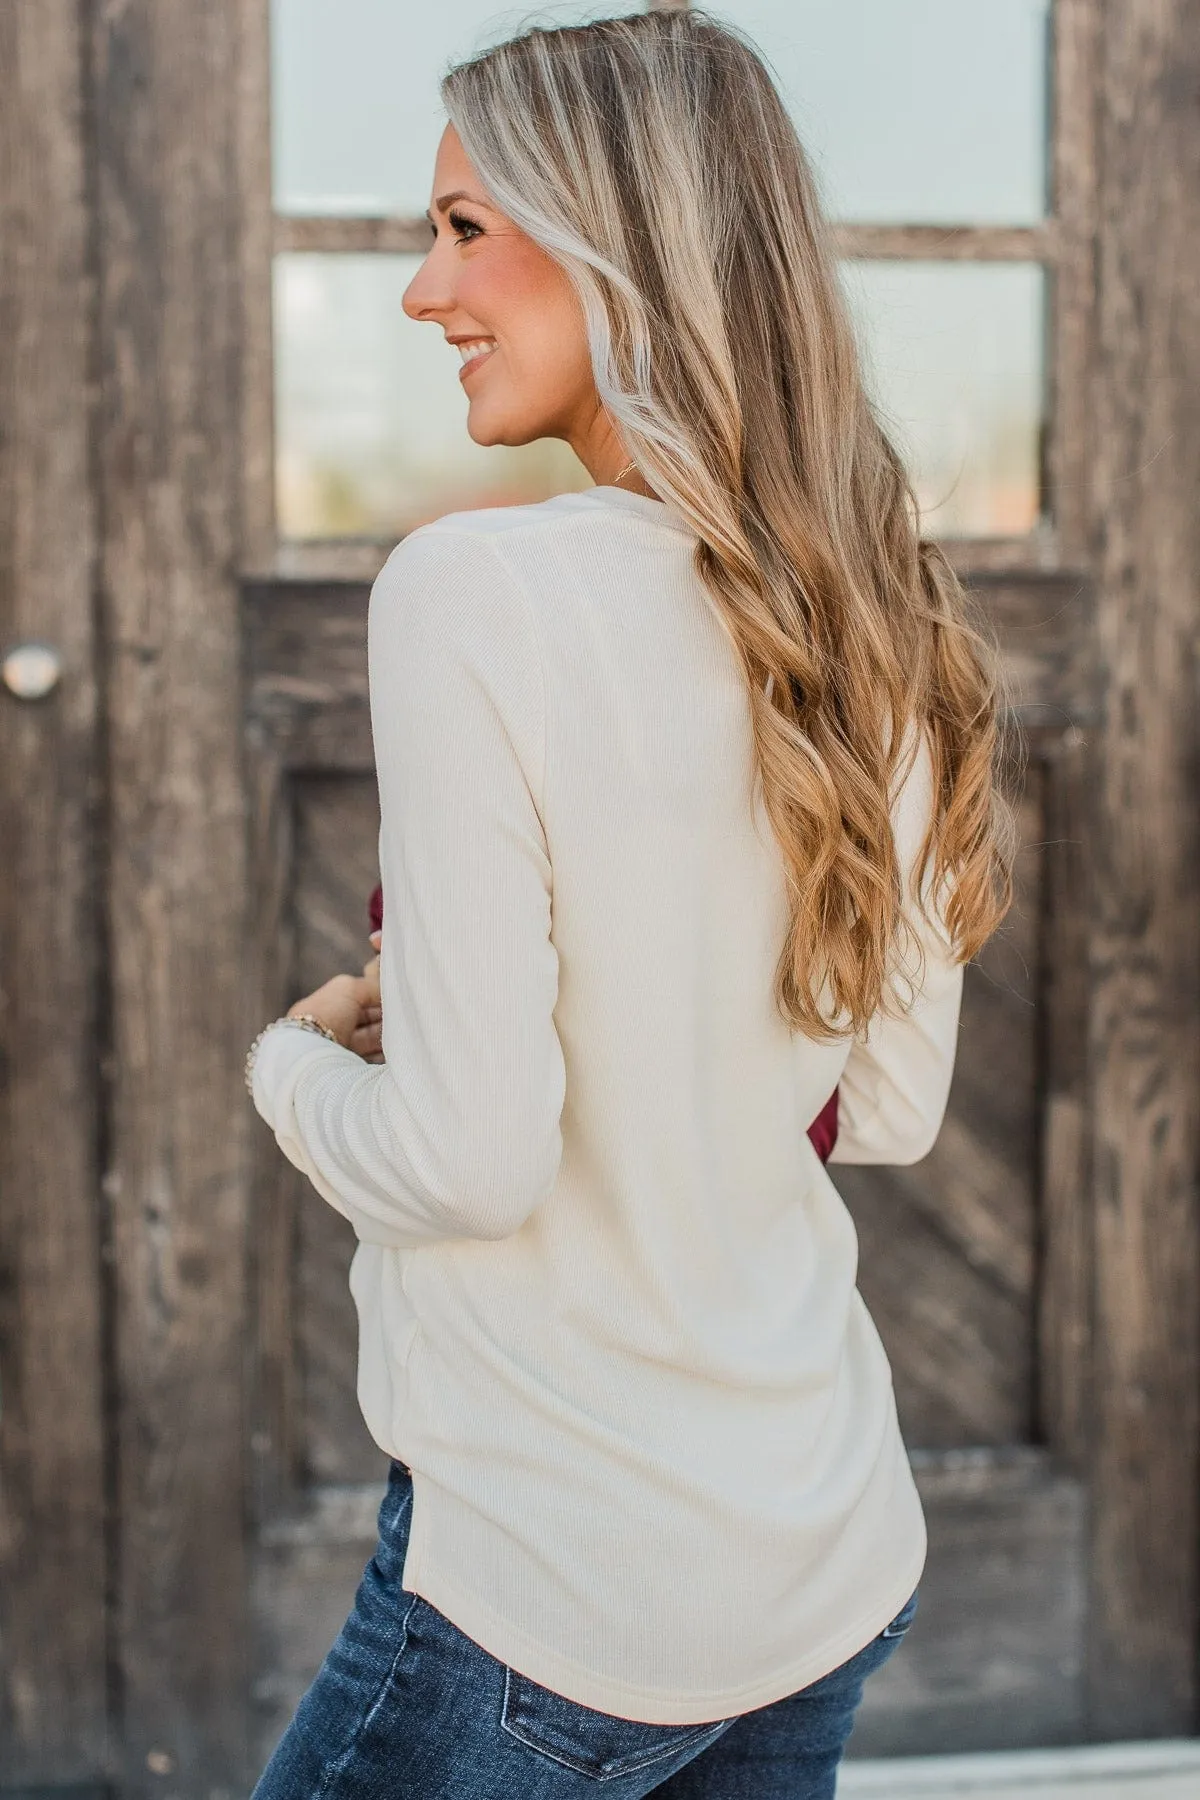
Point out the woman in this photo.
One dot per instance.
(688, 817)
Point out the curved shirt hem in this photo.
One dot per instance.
(513, 1646)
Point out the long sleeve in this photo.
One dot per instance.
(893, 1091)
(457, 1133)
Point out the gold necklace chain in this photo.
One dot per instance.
(621, 473)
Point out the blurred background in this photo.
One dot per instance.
(215, 422)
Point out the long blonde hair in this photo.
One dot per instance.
(652, 157)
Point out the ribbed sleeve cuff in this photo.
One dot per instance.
(279, 1058)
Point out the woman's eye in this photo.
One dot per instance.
(464, 229)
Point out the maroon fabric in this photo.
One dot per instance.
(822, 1131)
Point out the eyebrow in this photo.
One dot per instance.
(445, 201)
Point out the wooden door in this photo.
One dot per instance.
(949, 1247)
(186, 1488)
(981, 1264)
(53, 1688)
(123, 1132)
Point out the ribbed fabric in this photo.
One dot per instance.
(605, 1287)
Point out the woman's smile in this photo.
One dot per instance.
(473, 351)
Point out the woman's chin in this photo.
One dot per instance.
(490, 428)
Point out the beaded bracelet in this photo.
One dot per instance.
(306, 1021)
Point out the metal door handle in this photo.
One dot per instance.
(31, 670)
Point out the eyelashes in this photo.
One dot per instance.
(464, 229)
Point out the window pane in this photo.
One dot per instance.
(370, 414)
(953, 360)
(356, 116)
(916, 111)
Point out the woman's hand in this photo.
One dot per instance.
(349, 1006)
(368, 1039)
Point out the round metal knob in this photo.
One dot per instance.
(32, 670)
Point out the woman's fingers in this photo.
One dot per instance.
(339, 1004)
(367, 1040)
(353, 990)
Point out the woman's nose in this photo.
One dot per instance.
(428, 295)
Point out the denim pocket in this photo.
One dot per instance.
(902, 1620)
(596, 1744)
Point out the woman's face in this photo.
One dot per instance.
(510, 311)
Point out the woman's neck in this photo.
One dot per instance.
(605, 457)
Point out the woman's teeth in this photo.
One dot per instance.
(476, 347)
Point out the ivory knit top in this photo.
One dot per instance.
(605, 1286)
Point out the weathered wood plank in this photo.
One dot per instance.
(1042, 622)
(306, 659)
(336, 865)
(168, 463)
(57, 1793)
(331, 234)
(1145, 831)
(53, 1699)
(256, 228)
(1072, 280)
(994, 1660)
(1064, 1365)
(275, 1405)
(958, 1343)
(949, 243)
(947, 1245)
(335, 560)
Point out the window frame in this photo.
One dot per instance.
(1062, 245)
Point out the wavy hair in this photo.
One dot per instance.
(652, 157)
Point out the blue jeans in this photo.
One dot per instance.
(406, 1707)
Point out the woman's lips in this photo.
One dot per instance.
(475, 361)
